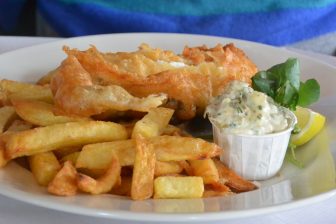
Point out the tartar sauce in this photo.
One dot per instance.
(241, 110)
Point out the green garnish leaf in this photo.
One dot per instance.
(282, 83)
(309, 92)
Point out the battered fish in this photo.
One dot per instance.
(189, 80)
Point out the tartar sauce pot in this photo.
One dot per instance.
(252, 130)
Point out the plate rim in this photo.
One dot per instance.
(155, 216)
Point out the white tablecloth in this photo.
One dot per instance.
(16, 212)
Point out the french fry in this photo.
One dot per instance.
(99, 156)
(65, 181)
(7, 115)
(56, 136)
(44, 167)
(124, 189)
(143, 170)
(70, 157)
(206, 169)
(19, 125)
(213, 193)
(166, 168)
(167, 148)
(231, 179)
(20, 90)
(103, 184)
(41, 113)
(60, 153)
(216, 189)
(94, 173)
(178, 187)
(3, 158)
(186, 167)
(16, 126)
(175, 148)
(175, 131)
(153, 123)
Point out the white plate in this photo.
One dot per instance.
(293, 187)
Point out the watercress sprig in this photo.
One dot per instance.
(282, 83)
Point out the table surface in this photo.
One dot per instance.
(12, 211)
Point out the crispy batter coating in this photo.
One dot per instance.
(76, 94)
(189, 80)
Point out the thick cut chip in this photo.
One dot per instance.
(186, 167)
(124, 188)
(40, 113)
(3, 158)
(206, 169)
(70, 157)
(178, 187)
(175, 148)
(99, 156)
(216, 189)
(7, 115)
(231, 179)
(167, 148)
(104, 183)
(153, 123)
(19, 125)
(44, 167)
(143, 170)
(56, 136)
(65, 181)
(19, 90)
(167, 168)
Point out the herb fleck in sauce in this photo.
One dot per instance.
(241, 110)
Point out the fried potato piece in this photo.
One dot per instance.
(176, 131)
(99, 156)
(178, 187)
(167, 148)
(60, 153)
(16, 126)
(56, 136)
(124, 189)
(216, 189)
(65, 181)
(153, 123)
(70, 157)
(104, 183)
(143, 170)
(41, 113)
(3, 159)
(19, 125)
(231, 179)
(186, 167)
(175, 148)
(20, 90)
(213, 193)
(7, 115)
(206, 169)
(167, 168)
(44, 167)
(76, 94)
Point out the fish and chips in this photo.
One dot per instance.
(107, 123)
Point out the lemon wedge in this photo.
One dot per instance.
(310, 123)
